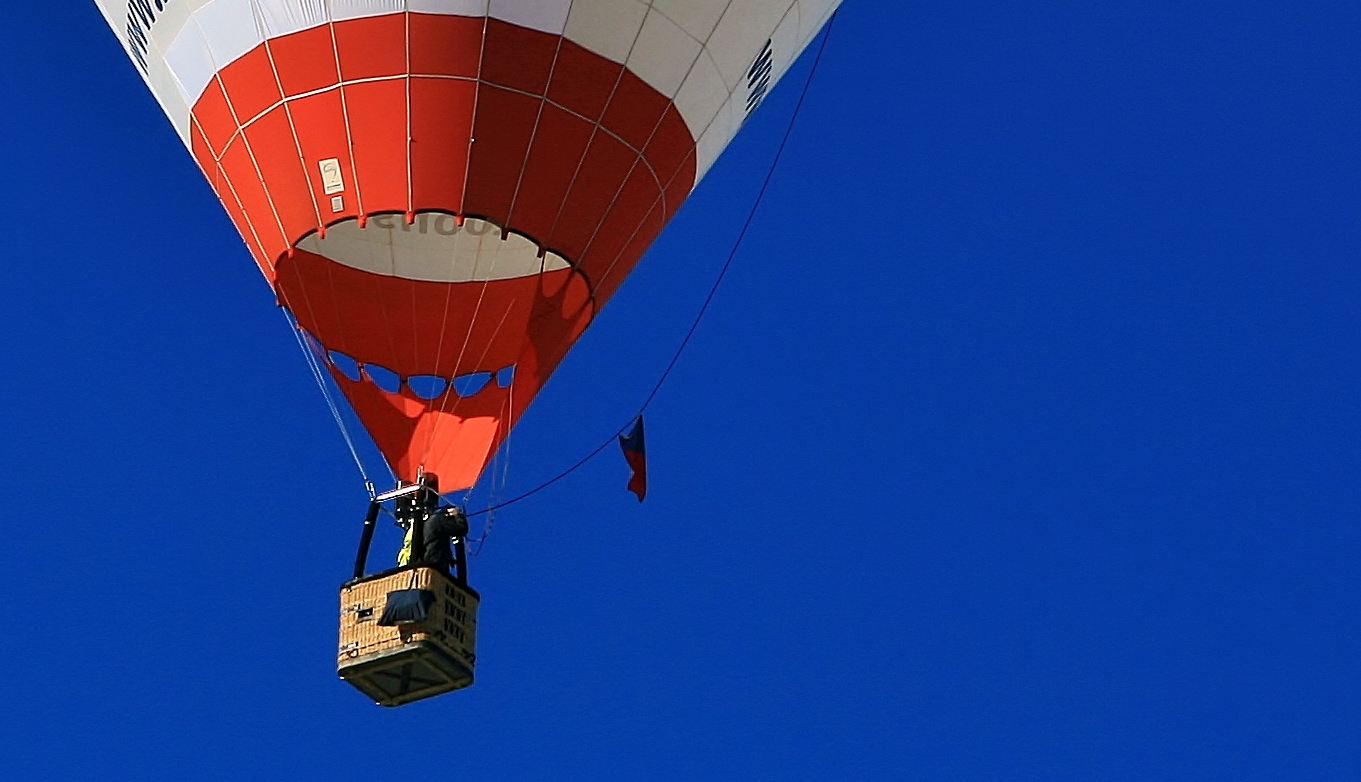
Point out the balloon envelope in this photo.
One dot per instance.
(443, 193)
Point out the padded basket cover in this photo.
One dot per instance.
(406, 606)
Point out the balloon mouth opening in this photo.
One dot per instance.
(418, 259)
(431, 246)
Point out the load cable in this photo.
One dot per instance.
(319, 375)
(737, 244)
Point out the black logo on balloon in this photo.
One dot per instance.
(758, 77)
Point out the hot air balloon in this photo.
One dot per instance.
(443, 194)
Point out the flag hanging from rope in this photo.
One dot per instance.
(635, 454)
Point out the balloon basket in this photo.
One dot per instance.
(407, 634)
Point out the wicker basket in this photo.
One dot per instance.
(407, 662)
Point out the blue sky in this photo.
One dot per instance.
(1021, 441)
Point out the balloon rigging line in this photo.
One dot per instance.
(330, 403)
(503, 454)
(595, 130)
(514, 198)
(760, 195)
(500, 476)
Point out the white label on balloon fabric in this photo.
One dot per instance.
(338, 204)
(331, 180)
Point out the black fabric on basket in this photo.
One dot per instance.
(407, 605)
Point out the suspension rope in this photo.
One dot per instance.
(320, 377)
(774, 163)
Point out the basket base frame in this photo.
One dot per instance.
(411, 673)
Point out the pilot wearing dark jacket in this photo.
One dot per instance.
(440, 528)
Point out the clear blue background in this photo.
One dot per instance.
(1021, 441)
